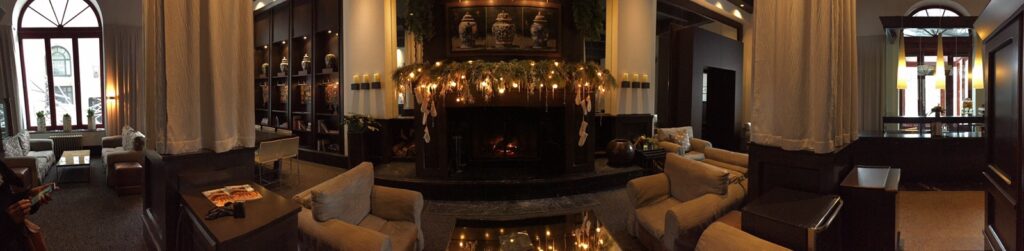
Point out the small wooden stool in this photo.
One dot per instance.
(128, 178)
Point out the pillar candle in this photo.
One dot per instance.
(376, 77)
(355, 79)
(644, 78)
(366, 77)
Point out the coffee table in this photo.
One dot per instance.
(74, 158)
(575, 231)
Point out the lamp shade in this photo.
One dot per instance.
(902, 75)
(978, 72)
(940, 67)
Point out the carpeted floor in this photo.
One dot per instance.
(90, 216)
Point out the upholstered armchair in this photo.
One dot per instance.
(670, 139)
(348, 212)
(733, 161)
(36, 164)
(721, 236)
(671, 209)
(114, 152)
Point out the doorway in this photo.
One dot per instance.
(718, 115)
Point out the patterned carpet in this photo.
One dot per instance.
(90, 216)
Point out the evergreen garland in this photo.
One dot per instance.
(420, 19)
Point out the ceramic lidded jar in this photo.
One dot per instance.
(284, 64)
(539, 31)
(266, 69)
(329, 60)
(504, 31)
(306, 61)
(467, 31)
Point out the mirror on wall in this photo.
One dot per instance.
(407, 52)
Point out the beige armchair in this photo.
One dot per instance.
(696, 152)
(36, 164)
(114, 152)
(721, 236)
(370, 217)
(671, 209)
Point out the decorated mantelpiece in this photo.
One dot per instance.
(504, 116)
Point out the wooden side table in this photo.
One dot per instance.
(870, 215)
(651, 159)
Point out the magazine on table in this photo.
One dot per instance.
(221, 196)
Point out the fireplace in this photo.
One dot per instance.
(506, 141)
(508, 137)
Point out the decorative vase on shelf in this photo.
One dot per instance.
(329, 60)
(40, 123)
(539, 31)
(284, 64)
(305, 62)
(467, 31)
(67, 123)
(504, 31)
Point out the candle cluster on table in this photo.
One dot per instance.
(636, 80)
(472, 80)
(365, 82)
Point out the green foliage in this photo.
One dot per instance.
(589, 16)
(361, 123)
(90, 113)
(420, 19)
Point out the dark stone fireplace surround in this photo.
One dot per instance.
(538, 136)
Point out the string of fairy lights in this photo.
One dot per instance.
(474, 80)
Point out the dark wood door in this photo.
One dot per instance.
(1002, 175)
(719, 114)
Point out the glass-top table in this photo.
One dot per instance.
(576, 231)
(74, 158)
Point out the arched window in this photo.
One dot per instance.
(935, 11)
(61, 62)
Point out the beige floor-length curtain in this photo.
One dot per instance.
(199, 72)
(806, 90)
(9, 80)
(123, 51)
(872, 67)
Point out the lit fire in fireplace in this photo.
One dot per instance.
(503, 147)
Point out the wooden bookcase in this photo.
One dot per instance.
(308, 101)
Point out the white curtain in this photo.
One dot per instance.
(872, 71)
(199, 73)
(9, 80)
(123, 51)
(806, 90)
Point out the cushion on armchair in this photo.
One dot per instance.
(689, 179)
(126, 134)
(12, 147)
(345, 197)
(676, 135)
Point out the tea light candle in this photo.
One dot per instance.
(355, 79)
(636, 77)
(366, 77)
(625, 76)
(376, 77)
(644, 78)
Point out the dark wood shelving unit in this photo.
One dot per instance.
(307, 101)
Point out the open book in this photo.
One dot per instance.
(221, 196)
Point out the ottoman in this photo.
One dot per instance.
(128, 178)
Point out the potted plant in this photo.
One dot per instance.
(358, 127)
(67, 122)
(936, 125)
(91, 116)
(40, 121)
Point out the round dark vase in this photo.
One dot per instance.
(620, 152)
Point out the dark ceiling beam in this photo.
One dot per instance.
(746, 5)
(927, 22)
(695, 8)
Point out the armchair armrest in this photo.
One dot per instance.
(37, 145)
(24, 162)
(699, 145)
(647, 190)
(685, 222)
(670, 147)
(721, 236)
(396, 204)
(340, 235)
(111, 141)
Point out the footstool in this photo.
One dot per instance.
(128, 178)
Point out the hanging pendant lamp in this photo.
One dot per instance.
(940, 67)
(977, 72)
(902, 75)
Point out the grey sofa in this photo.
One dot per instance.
(39, 161)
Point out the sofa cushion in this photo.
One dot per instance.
(44, 160)
(338, 235)
(107, 151)
(689, 179)
(126, 133)
(345, 197)
(26, 142)
(12, 147)
(694, 155)
(403, 233)
(652, 218)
